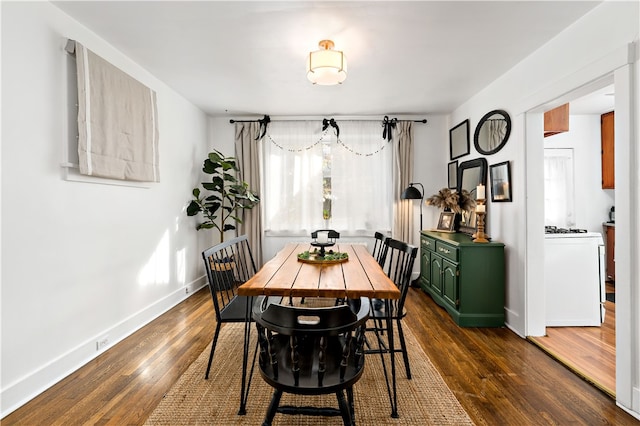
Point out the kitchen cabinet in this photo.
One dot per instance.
(556, 120)
(610, 244)
(465, 278)
(607, 136)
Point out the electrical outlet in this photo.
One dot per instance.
(186, 290)
(102, 343)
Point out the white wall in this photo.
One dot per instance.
(592, 203)
(516, 92)
(82, 261)
(594, 46)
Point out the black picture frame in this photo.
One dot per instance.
(500, 179)
(446, 221)
(471, 173)
(459, 144)
(452, 176)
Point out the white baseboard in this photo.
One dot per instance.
(635, 398)
(23, 390)
(512, 317)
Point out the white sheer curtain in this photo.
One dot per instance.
(559, 191)
(292, 200)
(362, 200)
(358, 163)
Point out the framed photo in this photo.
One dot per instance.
(453, 175)
(459, 140)
(500, 177)
(468, 222)
(446, 221)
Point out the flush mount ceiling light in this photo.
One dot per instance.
(326, 66)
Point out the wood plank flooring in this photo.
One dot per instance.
(590, 352)
(499, 378)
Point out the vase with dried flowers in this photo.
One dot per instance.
(448, 200)
(445, 199)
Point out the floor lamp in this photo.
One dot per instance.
(413, 193)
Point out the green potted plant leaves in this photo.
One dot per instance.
(222, 199)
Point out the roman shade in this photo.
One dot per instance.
(117, 122)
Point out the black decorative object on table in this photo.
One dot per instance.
(324, 238)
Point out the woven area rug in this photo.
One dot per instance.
(423, 400)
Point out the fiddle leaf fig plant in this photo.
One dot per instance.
(222, 199)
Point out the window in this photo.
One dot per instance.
(559, 191)
(314, 179)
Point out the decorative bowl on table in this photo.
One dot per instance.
(327, 258)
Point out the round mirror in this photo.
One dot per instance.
(492, 132)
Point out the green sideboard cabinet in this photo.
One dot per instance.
(465, 278)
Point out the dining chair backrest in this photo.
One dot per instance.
(378, 247)
(398, 260)
(228, 265)
(312, 351)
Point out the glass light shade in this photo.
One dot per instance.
(326, 67)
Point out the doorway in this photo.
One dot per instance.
(580, 332)
(625, 196)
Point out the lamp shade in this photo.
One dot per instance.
(326, 66)
(411, 193)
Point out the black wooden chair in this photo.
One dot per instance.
(378, 247)
(228, 265)
(379, 252)
(399, 258)
(312, 351)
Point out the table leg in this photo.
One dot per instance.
(394, 403)
(382, 349)
(244, 388)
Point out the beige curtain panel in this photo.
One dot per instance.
(117, 122)
(402, 175)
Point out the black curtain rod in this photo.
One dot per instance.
(424, 121)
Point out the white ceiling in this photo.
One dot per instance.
(598, 102)
(239, 58)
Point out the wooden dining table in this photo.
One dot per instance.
(287, 276)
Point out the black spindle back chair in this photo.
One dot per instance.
(312, 351)
(398, 259)
(228, 265)
(378, 247)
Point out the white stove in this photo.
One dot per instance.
(574, 277)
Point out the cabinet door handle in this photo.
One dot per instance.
(444, 250)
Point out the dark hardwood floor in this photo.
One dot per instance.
(499, 378)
